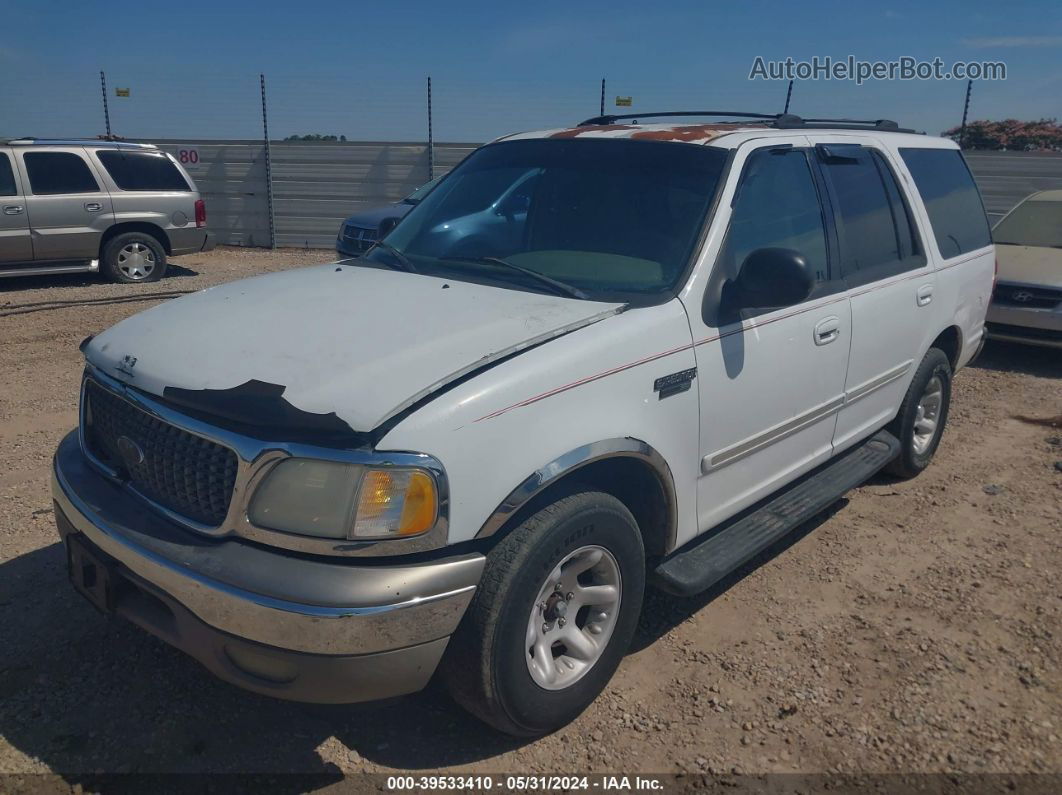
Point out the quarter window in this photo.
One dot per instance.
(142, 171)
(7, 177)
(59, 172)
(877, 235)
(951, 199)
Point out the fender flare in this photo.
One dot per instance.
(576, 459)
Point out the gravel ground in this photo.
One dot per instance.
(914, 628)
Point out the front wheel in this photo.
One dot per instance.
(922, 416)
(552, 618)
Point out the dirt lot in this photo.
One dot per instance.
(915, 628)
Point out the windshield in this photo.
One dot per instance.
(1033, 223)
(613, 219)
(421, 192)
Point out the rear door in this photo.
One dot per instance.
(68, 207)
(889, 282)
(15, 245)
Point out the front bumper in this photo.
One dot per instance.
(286, 625)
(1031, 326)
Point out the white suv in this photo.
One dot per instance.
(469, 450)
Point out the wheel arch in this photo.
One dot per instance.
(950, 342)
(629, 469)
(137, 226)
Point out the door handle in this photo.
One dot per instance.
(93, 207)
(924, 295)
(827, 330)
(12, 209)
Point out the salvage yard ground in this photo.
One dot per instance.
(915, 627)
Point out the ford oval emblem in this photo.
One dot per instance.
(130, 451)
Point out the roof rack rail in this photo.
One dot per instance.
(610, 119)
(882, 125)
(782, 121)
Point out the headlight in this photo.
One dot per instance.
(329, 499)
(342, 227)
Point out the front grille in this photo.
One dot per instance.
(359, 238)
(180, 471)
(1026, 297)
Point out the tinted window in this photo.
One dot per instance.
(59, 172)
(951, 198)
(7, 177)
(877, 238)
(142, 171)
(617, 219)
(777, 206)
(1032, 223)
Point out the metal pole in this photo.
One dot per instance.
(431, 139)
(106, 112)
(602, 97)
(965, 111)
(268, 167)
(788, 96)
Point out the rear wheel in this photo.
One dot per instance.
(922, 416)
(134, 257)
(552, 618)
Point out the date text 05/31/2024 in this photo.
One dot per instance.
(525, 783)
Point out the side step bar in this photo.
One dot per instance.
(703, 563)
(88, 266)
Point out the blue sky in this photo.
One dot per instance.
(358, 68)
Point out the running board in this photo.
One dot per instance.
(703, 563)
(89, 266)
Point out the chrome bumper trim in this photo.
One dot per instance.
(290, 602)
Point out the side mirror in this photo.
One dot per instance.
(774, 277)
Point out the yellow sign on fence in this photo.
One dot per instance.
(121, 92)
(624, 102)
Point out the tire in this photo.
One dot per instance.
(917, 444)
(133, 258)
(488, 668)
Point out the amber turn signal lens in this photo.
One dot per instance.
(393, 503)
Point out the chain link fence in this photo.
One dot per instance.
(373, 140)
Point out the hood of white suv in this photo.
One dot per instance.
(359, 342)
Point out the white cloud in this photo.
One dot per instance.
(1015, 41)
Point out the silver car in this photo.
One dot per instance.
(1027, 302)
(86, 206)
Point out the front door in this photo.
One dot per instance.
(15, 245)
(68, 210)
(771, 379)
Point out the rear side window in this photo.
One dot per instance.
(59, 172)
(7, 177)
(1032, 223)
(951, 198)
(142, 171)
(878, 238)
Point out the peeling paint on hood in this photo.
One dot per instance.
(361, 342)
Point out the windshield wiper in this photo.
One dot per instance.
(403, 260)
(557, 285)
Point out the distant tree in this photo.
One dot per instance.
(1011, 134)
(316, 137)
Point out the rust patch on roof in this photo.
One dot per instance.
(686, 132)
(589, 129)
